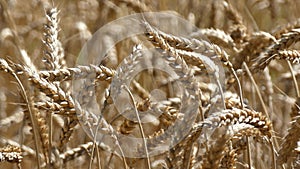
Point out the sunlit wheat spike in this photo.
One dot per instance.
(187, 45)
(290, 55)
(236, 116)
(11, 154)
(100, 72)
(54, 53)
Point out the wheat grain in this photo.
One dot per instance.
(289, 143)
(76, 152)
(11, 154)
(216, 36)
(53, 53)
(101, 73)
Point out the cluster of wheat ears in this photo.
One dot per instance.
(252, 122)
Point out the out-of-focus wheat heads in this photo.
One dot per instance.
(39, 114)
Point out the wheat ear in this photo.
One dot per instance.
(255, 44)
(284, 42)
(216, 36)
(11, 154)
(283, 29)
(76, 152)
(54, 52)
(289, 143)
(188, 45)
(4, 66)
(101, 72)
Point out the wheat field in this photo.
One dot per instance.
(242, 111)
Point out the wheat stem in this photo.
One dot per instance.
(140, 126)
(294, 79)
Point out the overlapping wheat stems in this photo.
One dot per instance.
(183, 71)
(231, 117)
(53, 60)
(160, 42)
(51, 90)
(163, 46)
(4, 66)
(66, 101)
(236, 144)
(253, 120)
(229, 31)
